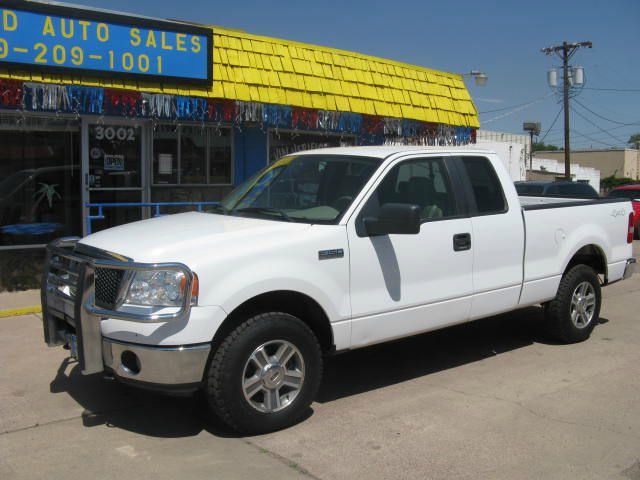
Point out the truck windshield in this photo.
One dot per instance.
(302, 188)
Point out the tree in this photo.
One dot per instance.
(607, 183)
(634, 140)
(539, 146)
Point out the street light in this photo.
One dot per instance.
(534, 129)
(480, 78)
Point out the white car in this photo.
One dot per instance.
(321, 252)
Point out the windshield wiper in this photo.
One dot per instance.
(264, 210)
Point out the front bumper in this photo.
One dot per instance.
(179, 367)
(69, 309)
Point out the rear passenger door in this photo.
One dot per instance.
(497, 231)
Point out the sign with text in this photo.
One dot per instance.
(69, 40)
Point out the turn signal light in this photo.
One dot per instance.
(630, 230)
(195, 288)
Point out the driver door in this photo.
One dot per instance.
(406, 284)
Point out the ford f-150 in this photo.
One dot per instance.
(320, 252)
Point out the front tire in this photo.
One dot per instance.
(265, 374)
(572, 315)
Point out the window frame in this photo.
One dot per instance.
(450, 171)
(210, 131)
(469, 194)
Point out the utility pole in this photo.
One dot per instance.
(565, 52)
(534, 129)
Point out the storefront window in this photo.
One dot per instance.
(39, 186)
(191, 155)
(114, 156)
(165, 154)
(285, 143)
(220, 156)
(40, 192)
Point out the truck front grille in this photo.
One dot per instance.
(108, 282)
(62, 275)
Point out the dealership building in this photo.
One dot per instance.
(106, 118)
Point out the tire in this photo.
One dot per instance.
(277, 394)
(568, 318)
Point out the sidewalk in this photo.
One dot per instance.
(19, 303)
(57, 423)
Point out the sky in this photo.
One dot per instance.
(501, 38)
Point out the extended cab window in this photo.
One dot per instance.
(423, 182)
(487, 190)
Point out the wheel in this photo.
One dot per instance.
(265, 374)
(573, 313)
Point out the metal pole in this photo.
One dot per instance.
(565, 90)
(531, 151)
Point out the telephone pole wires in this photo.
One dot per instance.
(569, 77)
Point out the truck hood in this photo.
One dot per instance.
(188, 237)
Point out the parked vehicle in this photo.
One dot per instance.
(560, 188)
(321, 252)
(631, 192)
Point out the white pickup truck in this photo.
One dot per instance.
(322, 252)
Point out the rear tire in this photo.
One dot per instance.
(265, 374)
(572, 315)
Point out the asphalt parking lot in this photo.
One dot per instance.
(493, 399)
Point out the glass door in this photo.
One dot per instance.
(114, 174)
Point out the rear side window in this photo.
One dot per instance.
(486, 186)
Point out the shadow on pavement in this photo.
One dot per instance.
(113, 404)
(390, 363)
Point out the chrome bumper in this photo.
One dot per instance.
(630, 268)
(68, 307)
(157, 365)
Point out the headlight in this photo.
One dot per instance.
(158, 288)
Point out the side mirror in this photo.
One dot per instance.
(399, 218)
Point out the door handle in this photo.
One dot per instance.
(461, 242)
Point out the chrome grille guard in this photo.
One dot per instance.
(68, 295)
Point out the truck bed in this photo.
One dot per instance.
(555, 228)
(531, 202)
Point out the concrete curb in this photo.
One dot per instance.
(15, 312)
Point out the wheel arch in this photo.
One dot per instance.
(294, 303)
(591, 255)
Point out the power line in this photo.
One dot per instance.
(592, 139)
(604, 118)
(517, 109)
(597, 126)
(552, 124)
(623, 90)
(530, 102)
(595, 132)
(608, 129)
